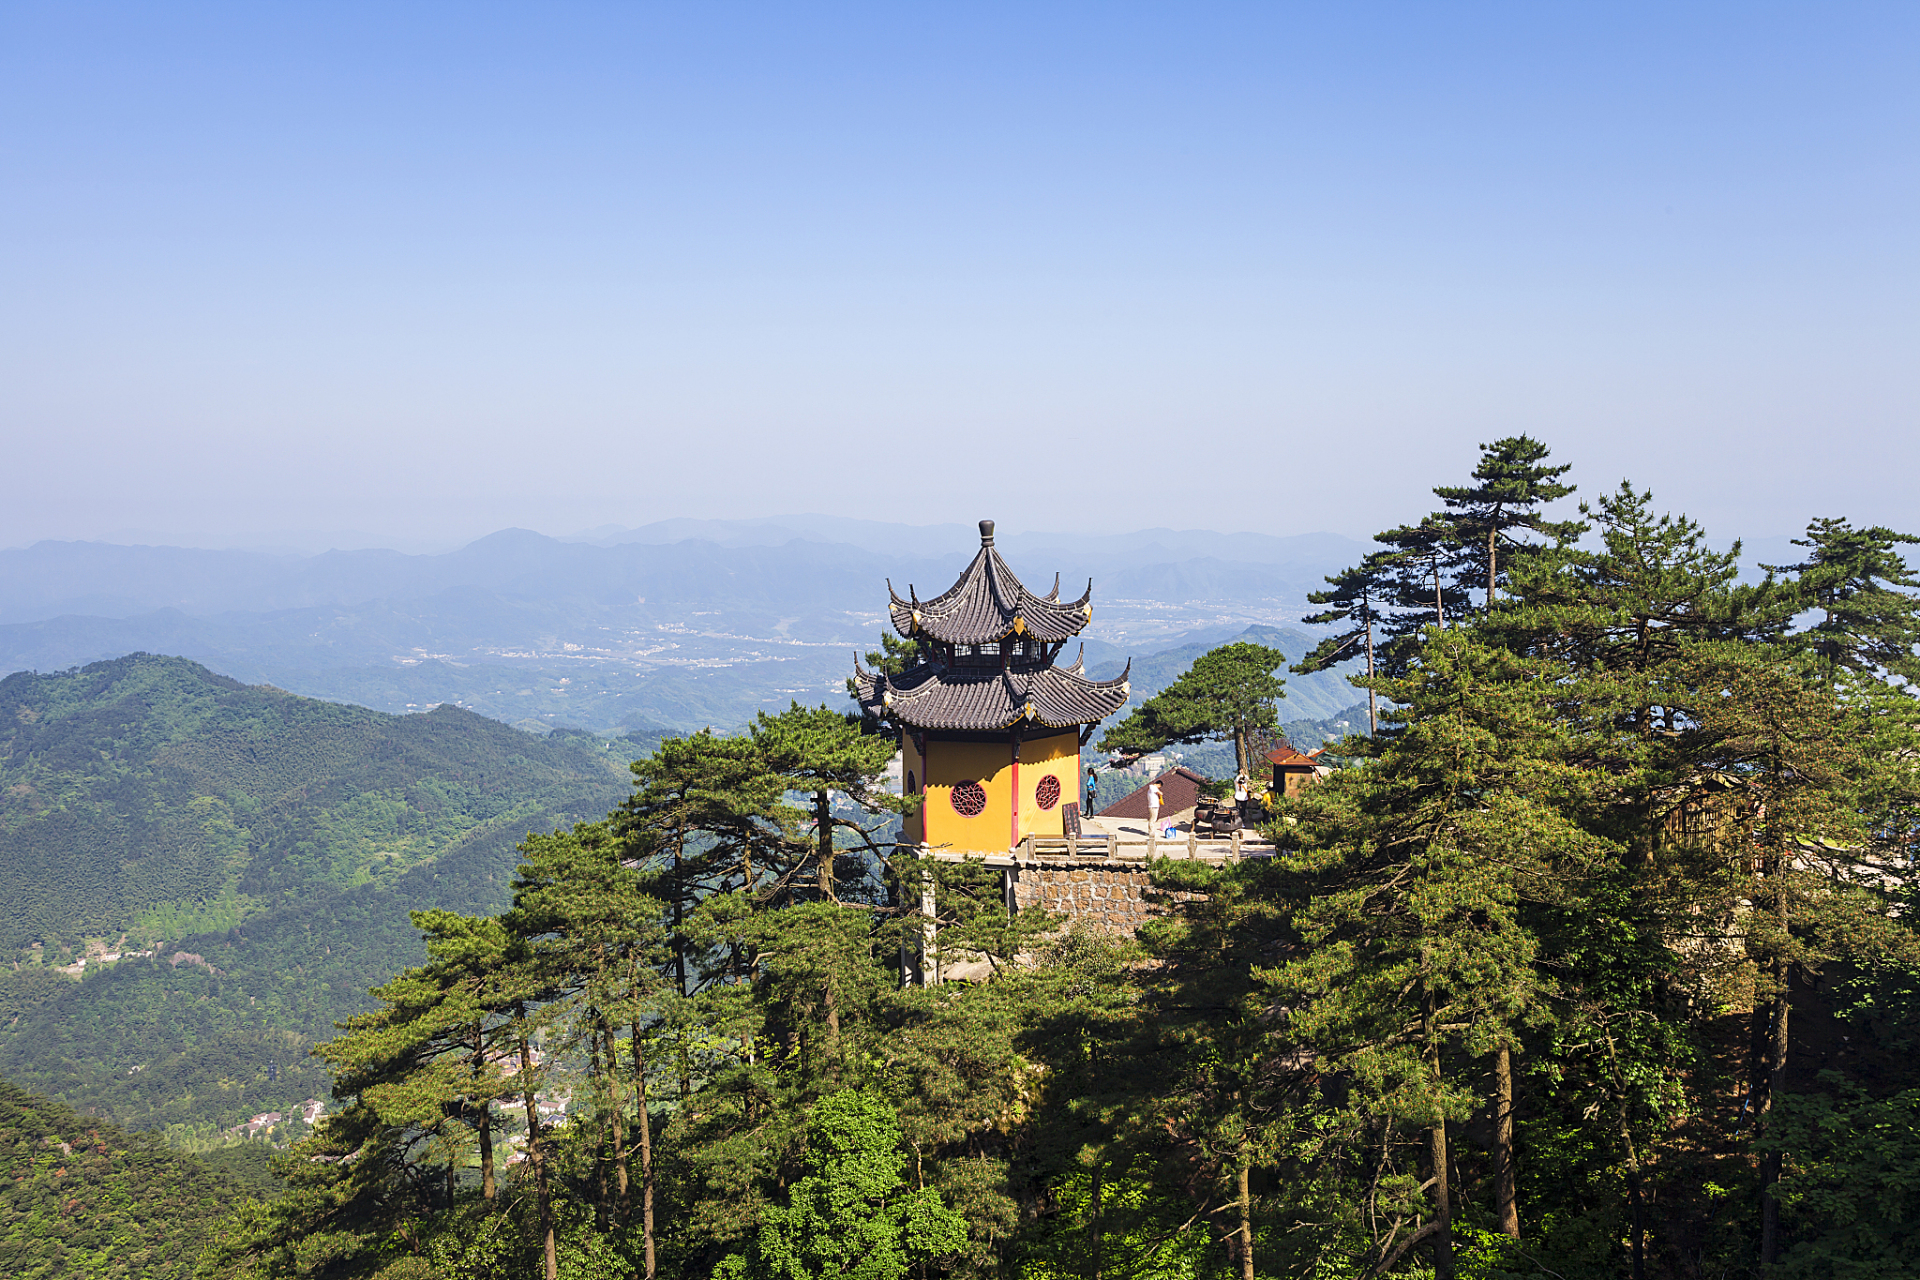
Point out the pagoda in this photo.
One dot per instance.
(990, 729)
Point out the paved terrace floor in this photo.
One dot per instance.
(1124, 839)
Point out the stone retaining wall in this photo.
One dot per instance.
(1111, 899)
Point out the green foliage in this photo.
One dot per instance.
(1852, 1186)
(850, 1213)
(82, 1197)
(1852, 577)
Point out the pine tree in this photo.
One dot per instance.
(1853, 577)
(1230, 692)
(707, 816)
(585, 921)
(1512, 483)
(1413, 950)
(1356, 597)
(823, 754)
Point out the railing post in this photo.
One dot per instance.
(1236, 843)
(1193, 836)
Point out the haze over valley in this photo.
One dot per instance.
(668, 627)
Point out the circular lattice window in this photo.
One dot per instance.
(1048, 792)
(969, 799)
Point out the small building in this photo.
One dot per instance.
(1179, 790)
(1294, 771)
(990, 728)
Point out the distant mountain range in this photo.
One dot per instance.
(663, 628)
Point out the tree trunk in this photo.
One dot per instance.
(679, 917)
(1637, 1226)
(621, 1194)
(1095, 1254)
(1439, 601)
(1493, 531)
(646, 1150)
(1442, 1203)
(603, 1150)
(1373, 699)
(1244, 1204)
(1437, 1156)
(823, 829)
(1776, 1080)
(486, 1149)
(1506, 1211)
(1777, 1076)
(486, 1115)
(536, 1155)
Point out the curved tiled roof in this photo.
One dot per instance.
(988, 603)
(932, 697)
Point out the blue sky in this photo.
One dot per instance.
(424, 271)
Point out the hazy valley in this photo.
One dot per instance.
(660, 629)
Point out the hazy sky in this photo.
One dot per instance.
(430, 270)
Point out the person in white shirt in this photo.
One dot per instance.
(1242, 792)
(1154, 796)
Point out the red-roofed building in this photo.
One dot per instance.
(1179, 790)
(1294, 771)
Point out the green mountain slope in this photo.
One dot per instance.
(265, 847)
(83, 1197)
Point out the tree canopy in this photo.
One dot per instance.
(1230, 692)
(1598, 960)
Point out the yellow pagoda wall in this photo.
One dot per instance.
(913, 775)
(947, 764)
(1055, 757)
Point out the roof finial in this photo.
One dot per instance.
(986, 533)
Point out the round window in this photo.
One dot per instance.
(1047, 794)
(969, 799)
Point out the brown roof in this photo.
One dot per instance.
(932, 696)
(1288, 758)
(1179, 789)
(988, 603)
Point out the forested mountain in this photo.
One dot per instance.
(80, 1196)
(267, 847)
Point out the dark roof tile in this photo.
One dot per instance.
(989, 603)
(930, 697)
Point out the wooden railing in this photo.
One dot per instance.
(1239, 845)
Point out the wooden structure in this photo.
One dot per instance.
(1293, 771)
(990, 728)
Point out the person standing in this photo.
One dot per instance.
(1093, 788)
(1154, 796)
(1242, 792)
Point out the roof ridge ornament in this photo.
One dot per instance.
(983, 605)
